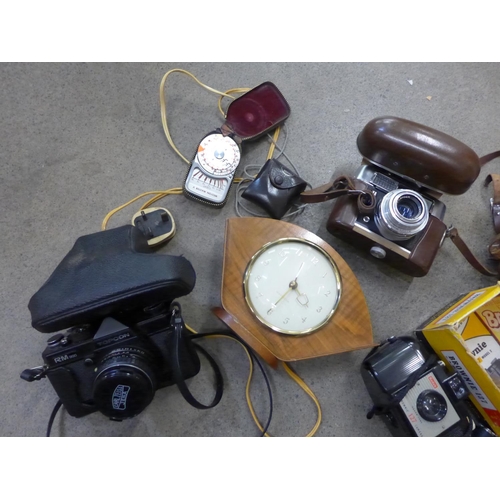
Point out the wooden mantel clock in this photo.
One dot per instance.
(289, 294)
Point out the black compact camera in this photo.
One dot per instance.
(124, 334)
(415, 394)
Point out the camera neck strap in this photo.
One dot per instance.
(179, 337)
(494, 246)
(342, 186)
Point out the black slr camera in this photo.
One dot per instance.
(126, 337)
(415, 394)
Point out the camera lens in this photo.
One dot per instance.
(125, 384)
(402, 214)
(407, 207)
(431, 406)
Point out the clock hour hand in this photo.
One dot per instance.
(302, 298)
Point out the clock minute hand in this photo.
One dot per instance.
(300, 269)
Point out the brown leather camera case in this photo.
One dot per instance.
(431, 158)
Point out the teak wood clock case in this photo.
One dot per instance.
(348, 329)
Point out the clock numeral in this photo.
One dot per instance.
(283, 253)
(319, 309)
(304, 320)
(266, 262)
(299, 252)
(286, 320)
(328, 293)
(315, 260)
(258, 278)
(259, 295)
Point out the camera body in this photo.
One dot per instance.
(408, 167)
(406, 228)
(414, 392)
(115, 369)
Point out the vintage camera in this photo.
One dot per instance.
(415, 394)
(124, 335)
(115, 369)
(407, 167)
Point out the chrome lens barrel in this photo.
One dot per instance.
(402, 214)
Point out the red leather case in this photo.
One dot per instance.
(257, 112)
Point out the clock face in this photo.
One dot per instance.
(292, 286)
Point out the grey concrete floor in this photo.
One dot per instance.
(81, 139)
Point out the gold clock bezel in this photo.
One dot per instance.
(263, 320)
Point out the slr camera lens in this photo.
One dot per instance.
(402, 214)
(125, 384)
(431, 406)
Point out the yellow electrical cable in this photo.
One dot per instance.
(310, 393)
(289, 371)
(121, 207)
(273, 144)
(163, 105)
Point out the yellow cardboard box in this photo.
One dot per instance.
(466, 337)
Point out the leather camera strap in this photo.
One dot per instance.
(452, 233)
(178, 338)
(494, 247)
(342, 186)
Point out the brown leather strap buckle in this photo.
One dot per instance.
(495, 200)
(495, 208)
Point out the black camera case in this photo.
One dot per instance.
(112, 272)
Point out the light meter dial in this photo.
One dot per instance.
(218, 155)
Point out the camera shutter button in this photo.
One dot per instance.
(378, 253)
(55, 339)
